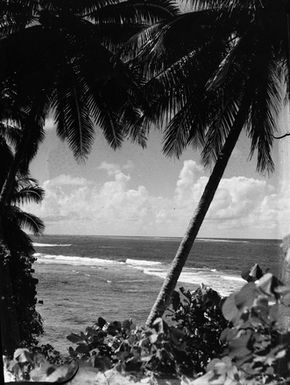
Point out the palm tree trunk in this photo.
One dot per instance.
(181, 256)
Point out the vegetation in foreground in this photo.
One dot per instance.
(205, 339)
(21, 324)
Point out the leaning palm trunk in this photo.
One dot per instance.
(183, 251)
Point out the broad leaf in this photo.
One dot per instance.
(74, 338)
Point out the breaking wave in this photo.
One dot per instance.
(222, 282)
(222, 240)
(51, 244)
(141, 262)
(72, 260)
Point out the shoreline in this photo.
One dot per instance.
(78, 295)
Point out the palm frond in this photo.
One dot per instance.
(177, 94)
(136, 12)
(79, 129)
(266, 103)
(30, 222)
(169, 90)
(228, 84)
(16, 239)
(32, 134)
(113, 36)
(6, 158)
(16, 15)
(218, 129)
(221, 75)
(162, 45)
(112, 87)
(72, 115)
(107, 119)
(137, 126)
(84, 8)
(93, 88)
(233, 6)
(198, 5)
(187, 126)
(29, 194)
(11, 132)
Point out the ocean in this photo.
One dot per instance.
(84, 277)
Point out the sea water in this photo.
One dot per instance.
(84, 277)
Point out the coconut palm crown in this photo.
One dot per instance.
(199, 65)
(60, 55)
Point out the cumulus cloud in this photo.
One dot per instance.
(187, 189)
(237, 197)
(242, 207)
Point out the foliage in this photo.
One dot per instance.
(203, 63)
(199, 316)
(183, 346)
(257, 348)
(32, 366)
(69, 67)
(50, 354)
(237, 341)
(20, 321)
(128, 348)
(252, 348)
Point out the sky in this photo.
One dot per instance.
(136, 192)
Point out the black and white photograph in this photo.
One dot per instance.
(145, 192)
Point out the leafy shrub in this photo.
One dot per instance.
(257, 348)
(199, 317)
(237, 341)
(182, 348)
(128, 348)
(21, 323)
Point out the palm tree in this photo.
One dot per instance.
(212, 71)
(20, 322)
(60, 56)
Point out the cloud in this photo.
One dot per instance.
(110, 168)
(63, 180)
(186, 187)
(242, 207)
(237, 197)
(49, 124)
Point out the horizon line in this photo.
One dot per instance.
(151, 236)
